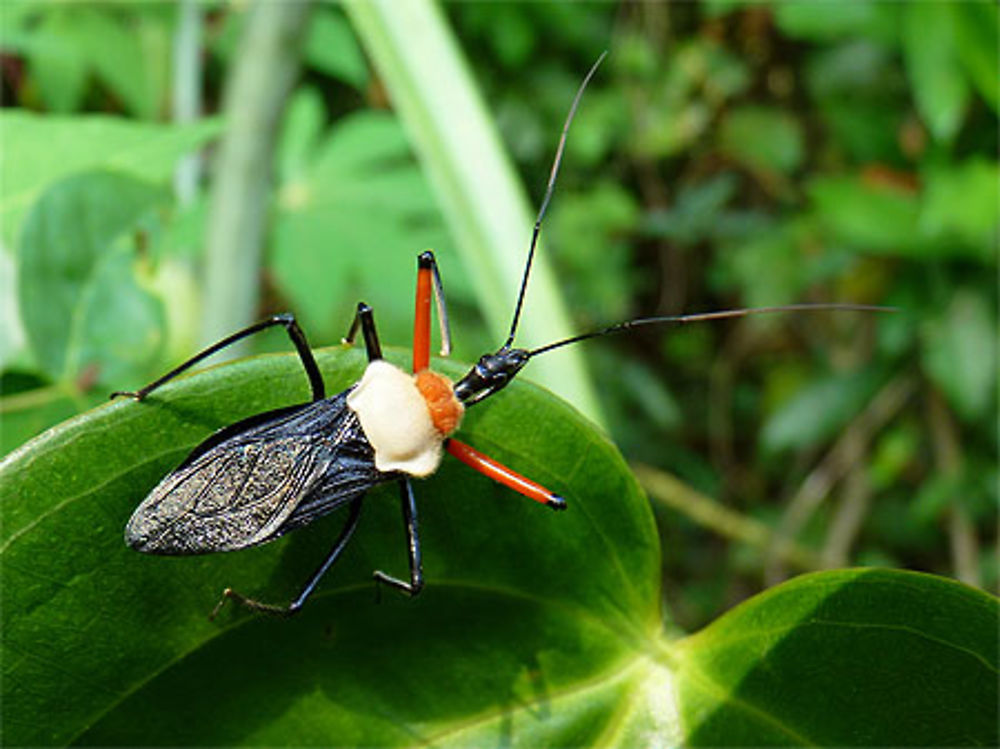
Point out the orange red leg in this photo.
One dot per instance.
(428, 283)
(422, 316)
(501, 473)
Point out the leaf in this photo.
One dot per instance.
(959, 352)
(51, 148)
(962, 200)
(697, 212)
(932, 63)
(767, 265)
(818, 410)
(80, 303)
(533, 624)
(864, 657)
(861, 98)
(355, 219)
(873, 215)
(129, 53)
(762, 138)
(592, 227)
(977, 37)
(827, 21)
(28, 411)
(56, 61)
(535, 628)
(331, 47)
(300, 132)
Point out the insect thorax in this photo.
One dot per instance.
(405, 417)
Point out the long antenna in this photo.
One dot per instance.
(703, 316)
(548, 196)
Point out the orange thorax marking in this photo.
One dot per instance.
(445, 409)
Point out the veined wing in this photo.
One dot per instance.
(241, 489)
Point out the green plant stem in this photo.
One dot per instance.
(848, 520)
(262, 76)
(186, 90)
(672, 492)
(432, 89)
(948, 456)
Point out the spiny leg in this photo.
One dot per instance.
(294, 332)
(296, 605)
(413, 538)
(504, 475)
(364, 318)
(428, 281)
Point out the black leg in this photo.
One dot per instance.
(294, 332)
(416, 565)
(365, 318)
(294, 606)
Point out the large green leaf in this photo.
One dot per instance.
(847, 658)
(531, 620)
(535, 628)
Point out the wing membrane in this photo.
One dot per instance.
(241, 489)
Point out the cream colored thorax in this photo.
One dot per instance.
(405, 417)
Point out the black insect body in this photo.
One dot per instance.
(262, 477)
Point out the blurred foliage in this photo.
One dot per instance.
(727, 154)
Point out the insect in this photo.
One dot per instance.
(271, 473)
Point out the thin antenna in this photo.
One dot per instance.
(548, 196)
(703, 316)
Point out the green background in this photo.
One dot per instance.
(725, 155)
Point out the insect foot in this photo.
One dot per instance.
(134, 394)
(250, 603)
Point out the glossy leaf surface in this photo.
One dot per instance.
(530, 619)
(535, 628)
(862, 657)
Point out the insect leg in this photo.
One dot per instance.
(365, 318)
(501, 473)
(294, 606)
(294, 332)
(428, 281)
(416, 565)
